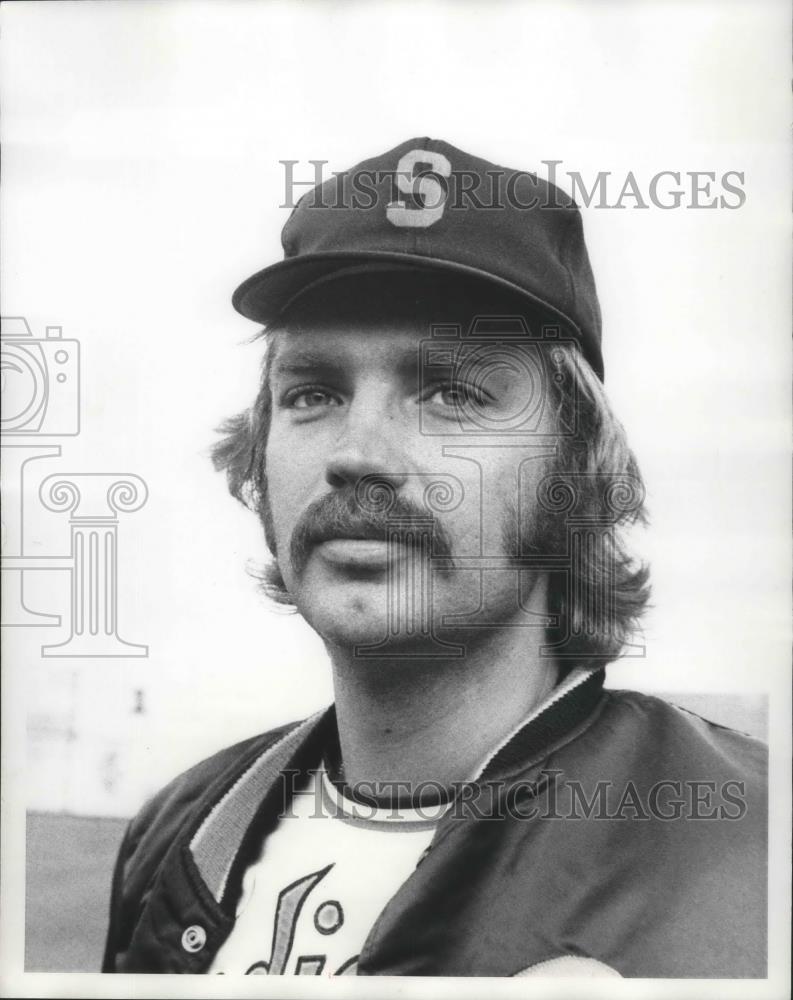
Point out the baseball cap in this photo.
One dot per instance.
(429, 205)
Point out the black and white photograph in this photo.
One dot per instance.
(396, 560)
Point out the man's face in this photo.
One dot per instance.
(363, 424)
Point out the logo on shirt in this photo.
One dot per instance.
(328, 918)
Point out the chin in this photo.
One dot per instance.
(350, 610)
(345, 613)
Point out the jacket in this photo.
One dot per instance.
(612, 827)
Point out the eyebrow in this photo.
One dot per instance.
(297, 362)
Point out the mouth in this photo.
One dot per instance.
(365, 553)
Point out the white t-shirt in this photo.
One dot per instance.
(323, 877)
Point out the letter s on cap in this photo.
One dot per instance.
(426, 187)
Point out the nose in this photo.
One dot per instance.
(367, 448)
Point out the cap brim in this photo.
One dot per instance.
(265, 295)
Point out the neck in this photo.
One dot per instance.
(415, 720)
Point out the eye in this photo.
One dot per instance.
(309, 398)
(455, 395)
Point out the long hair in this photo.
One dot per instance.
(591, 495)
(592, 492)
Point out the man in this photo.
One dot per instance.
(443, 486)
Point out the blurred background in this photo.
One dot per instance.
(142, 182)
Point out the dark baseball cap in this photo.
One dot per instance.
(429, 205)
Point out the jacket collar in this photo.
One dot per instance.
(554, 721)
(219, 838)
(230, 831)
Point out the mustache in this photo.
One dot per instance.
(341, 515)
